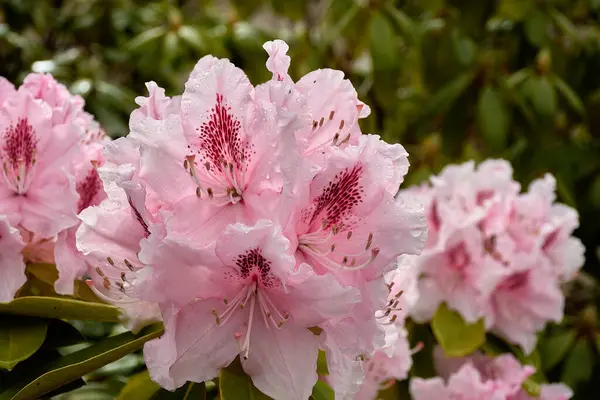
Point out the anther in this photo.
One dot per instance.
(106, 283)
(315, 123)
(331, 114)
(369, 241)
(349, 235)
(321, 121)
(210, 192)
(198, 192)
(341, 124)
(333, 247)
(99, 271)
(128, 264)
(336, 137)
(185, 164)
(110, 261)
(123, 277)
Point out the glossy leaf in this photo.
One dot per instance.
(58, 307)
(455, 336)
(493, 119)
(75, 365)
(20, 337)
(234, 384)
(536, 28)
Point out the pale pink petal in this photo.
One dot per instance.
(282, 363)
(316, 298)
(12, 267)
(7, 90)
(194, 347)
(426, 389)
(278, 62)
(70, 262)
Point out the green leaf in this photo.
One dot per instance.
(383, 43)
(189, 391)
(518, 77)
(569, 94)
(58, 307)
(61, 334)
(443, 99)
(542, 95)
(322, 391)
(515, 10)
(493, 119)
(20, 337)
(234, 384)
(456, 337)
(556, 346)
(75, 365)
(146, 38)
(536, 28)
(192, 37)
(322, 368)
(579, 364)
(532, 387)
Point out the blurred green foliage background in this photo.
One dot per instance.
(449, 79)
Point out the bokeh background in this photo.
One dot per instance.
(451, 80)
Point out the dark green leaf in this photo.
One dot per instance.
(556, 346)
(543, 96)
(579, 364)
(536, 28)
(57, 307)
(455, 336)
(20, 337)
(139, 387)
(493, 119)
(443, 99)
(146, 37)
(192, 37)
(234, 384)
(569, 94)
(383, 43)
(75, 365)
(515, 10)
(61, 333)
(189, 391)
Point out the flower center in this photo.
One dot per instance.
(115, 290)
(18, 156)
(255, 272)
(223, 155)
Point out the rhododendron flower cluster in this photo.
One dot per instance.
(256, 222)
(49, 147)
(495, 253)
(481, 377)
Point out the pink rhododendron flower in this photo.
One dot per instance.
(109, 239)
(47, 142)
(480, 377)
(495, 253)
(12, 267)
(254, 303)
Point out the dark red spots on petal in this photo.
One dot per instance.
(253, 263)
(340, 196)
(88, 189)
(221, 140)
(20, 144)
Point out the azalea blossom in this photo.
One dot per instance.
(481, 377)
(494, 253)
